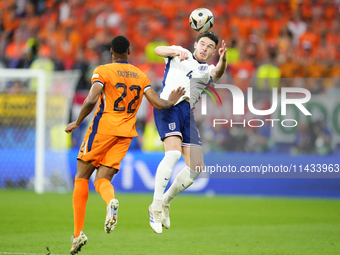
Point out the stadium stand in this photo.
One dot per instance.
(266, 38)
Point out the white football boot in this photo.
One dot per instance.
(165, 216)
(155, 220)
(78, 242)
(111, 216)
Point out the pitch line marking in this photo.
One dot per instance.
(22, 253)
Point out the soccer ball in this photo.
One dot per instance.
(201, 20)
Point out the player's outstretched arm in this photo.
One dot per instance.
(165, 51)
(87, 107)
(161, 104)
(221, 66)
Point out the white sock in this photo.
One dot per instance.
(184, 179)
(163, 174)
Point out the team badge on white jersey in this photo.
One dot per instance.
(203, 68)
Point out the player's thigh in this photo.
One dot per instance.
(173, 143)
(116, 153)
(168, 124)
(84, 169)
(94, 148)
(191, 137)
(193, 157)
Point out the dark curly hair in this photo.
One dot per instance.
(211, 35)
(120, 44)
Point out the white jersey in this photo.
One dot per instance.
(179, 74)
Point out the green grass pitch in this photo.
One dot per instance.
(199, 225)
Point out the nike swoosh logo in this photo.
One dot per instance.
(166, 179)
(183, 186)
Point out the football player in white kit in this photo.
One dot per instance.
(176, 125)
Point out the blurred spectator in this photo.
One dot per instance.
(291, 68)
(50, 34)
(284, 44)
(64, 11)
(151, 140)
(268, 73)
(233, 53)
(68, 44)
(323, 138)
(242, 72)
(333, 35)
(108, 17)
(297, 27)
(335, 70)
(16, 48)
(309, 39)
(255, 142)
(11, 23)
(303, 140)
(315, 69)
(58, 64)
(237, 139)
(103, 38)
(43, 62)
(39, 6)
(221, 138)
(82, 65)
(256, 48)
(22, 61)
(325, 54)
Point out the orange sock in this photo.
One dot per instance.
(105, 189)
(80, 196)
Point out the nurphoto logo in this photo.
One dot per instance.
(238, 102)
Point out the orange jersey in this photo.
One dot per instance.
(123, 89)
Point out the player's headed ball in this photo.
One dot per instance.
(201, 20)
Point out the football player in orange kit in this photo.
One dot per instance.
(118, 87)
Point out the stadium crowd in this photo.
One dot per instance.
(290, 39)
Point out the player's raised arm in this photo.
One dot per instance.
(166, 51)
(87, 107)
(161, 104)
(221, 66)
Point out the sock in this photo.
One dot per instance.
(184, 179)
(80, 196)
(163, 174)
(105, 189)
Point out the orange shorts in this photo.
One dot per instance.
(107, 150)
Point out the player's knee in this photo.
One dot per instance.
(172, 157)
(197, 166)
(83, 174)
(173, 154)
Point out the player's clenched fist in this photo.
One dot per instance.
(70, 127)
(182, 55)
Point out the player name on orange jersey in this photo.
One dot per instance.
(128, 74)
